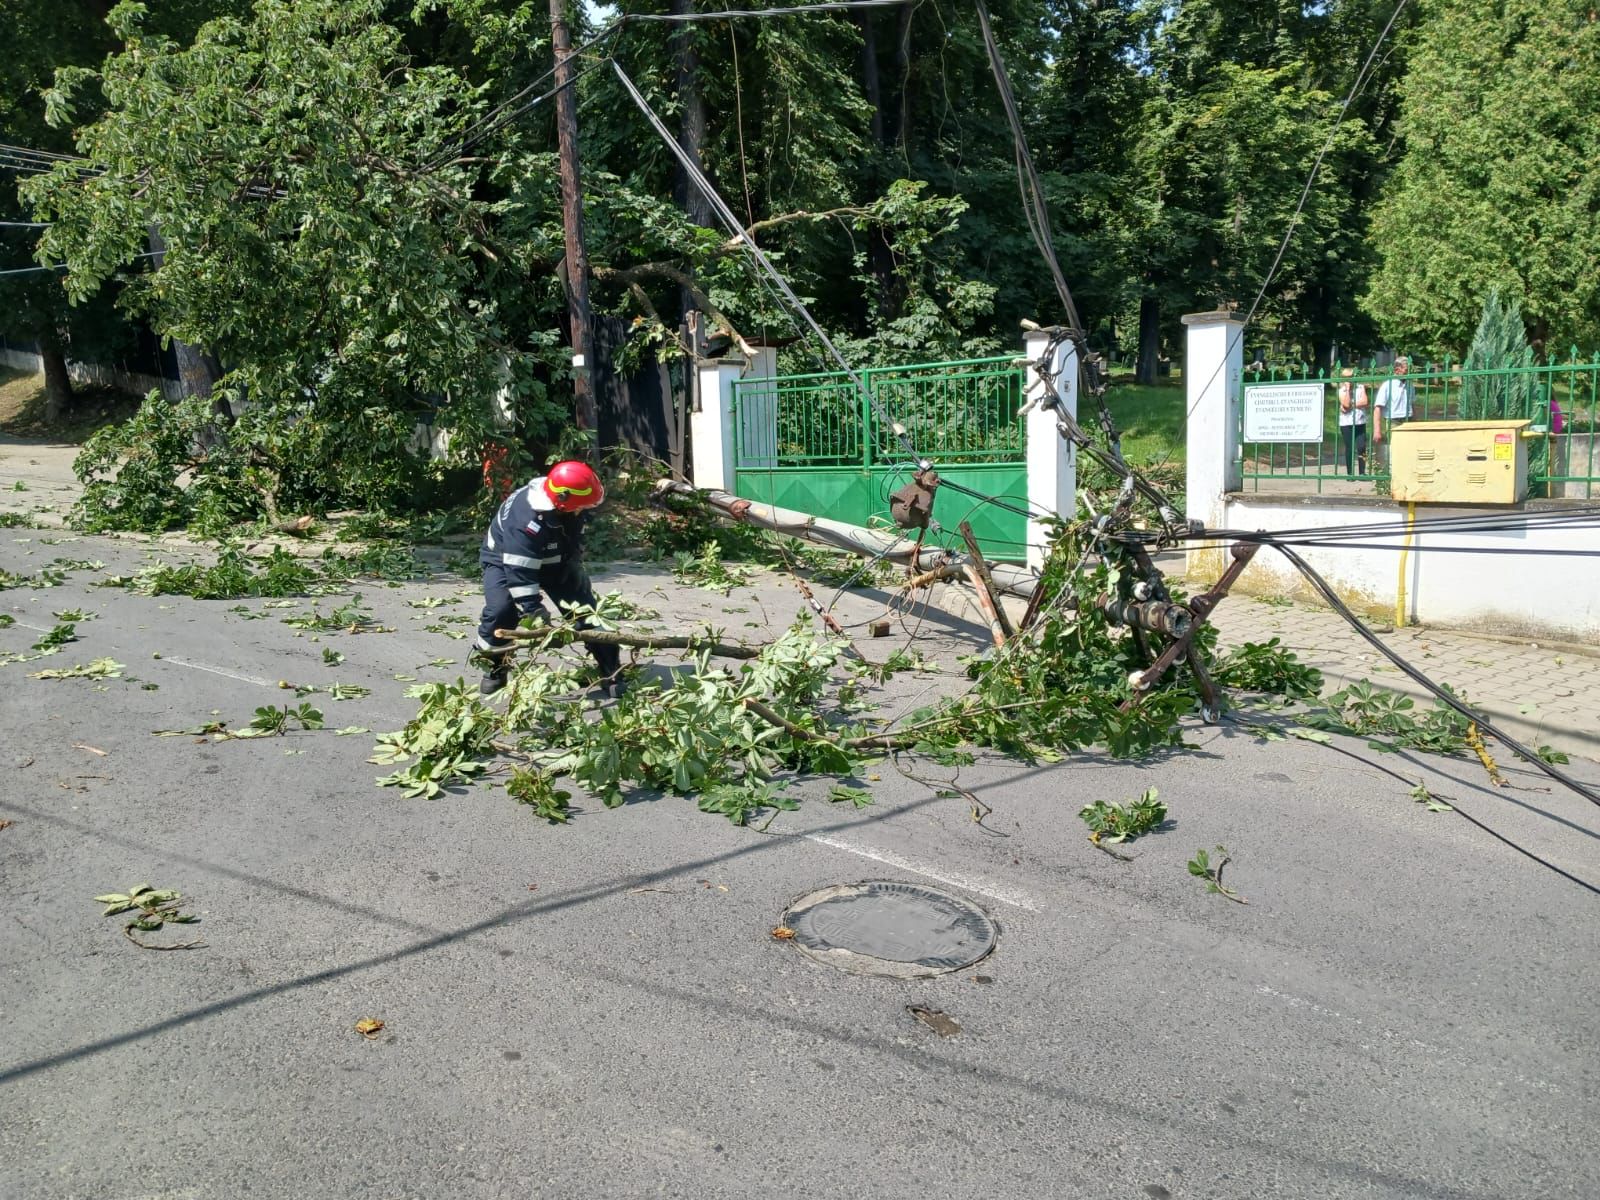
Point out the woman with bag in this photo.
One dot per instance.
(1353, 423)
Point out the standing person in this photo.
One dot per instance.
(1353, 423)
(535, 545)
(1393, 401)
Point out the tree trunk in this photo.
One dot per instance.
(691, 132)
(902, 62)
(198, 371)
(869, 74)
(1149, 340)
(57, 382)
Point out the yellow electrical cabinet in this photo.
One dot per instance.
(1459, 462)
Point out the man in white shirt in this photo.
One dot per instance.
(1393, 400)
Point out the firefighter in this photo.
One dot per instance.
(535, 545)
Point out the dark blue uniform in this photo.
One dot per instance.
(531, 549)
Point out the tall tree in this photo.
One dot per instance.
(1499, 185)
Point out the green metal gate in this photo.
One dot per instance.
(814, 443)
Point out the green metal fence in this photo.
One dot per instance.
(1561, 399)
(815, 442)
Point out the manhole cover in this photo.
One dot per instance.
(887, 928)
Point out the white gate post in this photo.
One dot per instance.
(1052, 466)
(1213, 364)
(711, 424)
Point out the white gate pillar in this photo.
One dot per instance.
(1213, 364)
(711, 424)
(1052, 465)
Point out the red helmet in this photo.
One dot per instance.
(573, 486)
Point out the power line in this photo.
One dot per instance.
(1355, 90)
(1447, 697)
(63, 266)
(1455, 806)
(492, 121)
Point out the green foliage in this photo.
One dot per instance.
(1500, 345)
(1271, 668)
(447, 738)
(1428, 800)
(1116, 823)
(842, 793)
(233, 576)
(1390, 720)
(1067, 690)
(100, 668)
(1496, 186)
(707, 570)
(152, 908)
(275, 722)
(58, 636)
(279, 573)
(1201, 866)
(537, 788)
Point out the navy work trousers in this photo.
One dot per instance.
(564, 583)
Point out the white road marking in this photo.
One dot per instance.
(223, 671)
(193, 666)
(964, 882)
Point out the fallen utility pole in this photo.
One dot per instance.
(578, 315)
(1014, 581)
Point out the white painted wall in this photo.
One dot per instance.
(1533, 594)
(1539, 594)
(95, 375)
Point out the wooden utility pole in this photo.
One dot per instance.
(572, 221)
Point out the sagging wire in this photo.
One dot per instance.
(740, 234)
(1355, 90)
(1444, 695)
(1455, 806)
(491, 121)
(1091, 377)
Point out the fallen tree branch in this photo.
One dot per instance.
(600, 637)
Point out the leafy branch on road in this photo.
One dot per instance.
(1112, 824)
(153, 909)
(736, 738)
(268, 722)
(1202, 867)
(100, 668)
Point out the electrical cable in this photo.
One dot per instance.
(63, 266)
(1355, 90)
(1326, 591)
(481, 128)
(1455, 807)
(720, 207)
(484, 128)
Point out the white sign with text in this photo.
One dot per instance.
(1283, 412)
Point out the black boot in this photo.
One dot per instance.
(609, 660)
(496, 671)
(494, 679)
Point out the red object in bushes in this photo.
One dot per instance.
(497, 476)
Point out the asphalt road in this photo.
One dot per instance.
(1403, 1009)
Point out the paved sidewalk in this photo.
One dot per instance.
(1544, 694)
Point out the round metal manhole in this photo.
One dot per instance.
(885, 928)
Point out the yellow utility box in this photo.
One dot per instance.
(1459, 462)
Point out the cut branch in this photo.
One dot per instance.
(598, 637)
